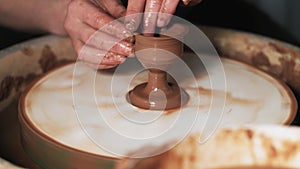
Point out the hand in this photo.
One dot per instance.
(154, 13)
(94, 17)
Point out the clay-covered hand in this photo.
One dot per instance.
(94, 17)
(154, 13)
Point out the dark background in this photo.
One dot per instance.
(279, 19)
(272, 18)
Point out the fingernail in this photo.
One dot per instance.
(131, 25)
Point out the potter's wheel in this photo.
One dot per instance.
(92, 123)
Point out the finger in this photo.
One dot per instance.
(106, 66)
(168, 8)
(91, 55)
(106, 42)
(113, 7)
(102, 40)
(186, 2)
(81, 32)
(97, 66)
(112, 59)
(99, 20)
(150, 16)
(133, 14)
(190, 2)
(95, 56)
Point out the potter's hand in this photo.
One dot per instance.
(86, 17)
(154, 13)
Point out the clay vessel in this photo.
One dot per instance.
(158, 55)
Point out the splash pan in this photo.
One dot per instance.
(76, 116)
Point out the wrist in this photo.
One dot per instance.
(54, 20)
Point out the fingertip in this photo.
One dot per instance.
(91, 65)
(120, 58)
(134, 14)
(123, 48)
(132, 22)
(130, 39)
(166, 12)
(131, 26)
(162, 22)
(106, 66)
(100, 66)
(131, 56)
(190, 2)
(112, 59)
(164, 19)
(186, 2)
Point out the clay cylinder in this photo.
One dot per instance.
(157, 52)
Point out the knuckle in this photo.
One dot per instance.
(67, 25)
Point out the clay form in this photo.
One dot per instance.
(157, 54)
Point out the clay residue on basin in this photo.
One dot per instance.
(276, 57)
(246, 147)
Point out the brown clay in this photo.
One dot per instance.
(157, 54)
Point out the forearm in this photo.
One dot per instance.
(34, 15)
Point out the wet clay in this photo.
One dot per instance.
(157, 54)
